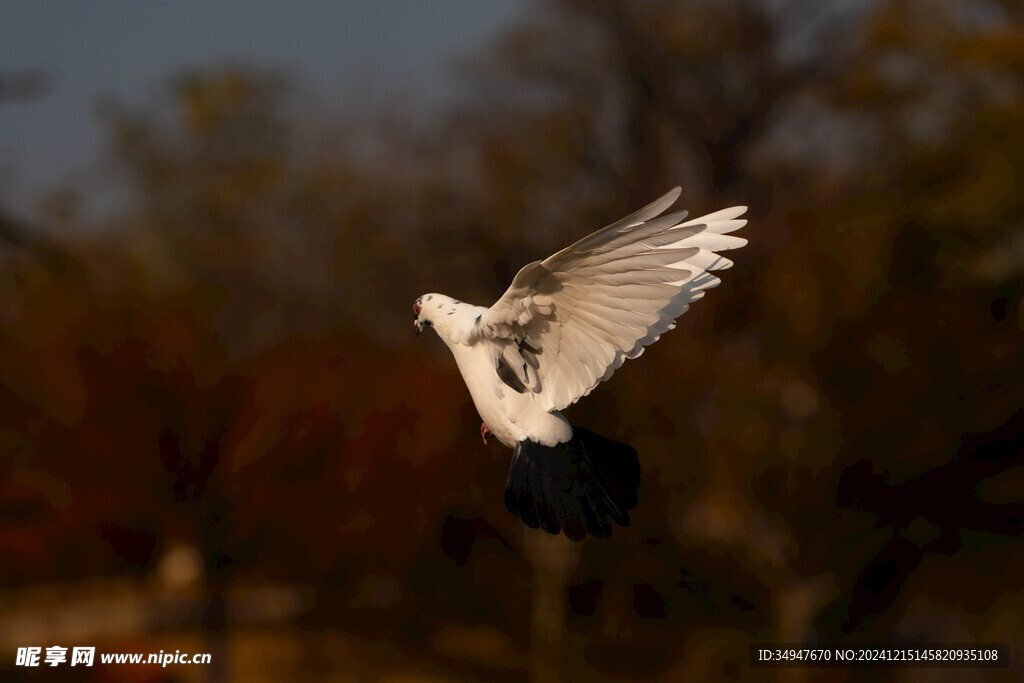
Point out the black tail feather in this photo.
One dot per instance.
(550, 505)
(520, 489)
(575, 487)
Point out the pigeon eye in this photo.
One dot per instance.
(416, 310)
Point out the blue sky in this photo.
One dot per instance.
(128, 49)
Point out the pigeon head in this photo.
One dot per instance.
(433, 310)
(419, 319)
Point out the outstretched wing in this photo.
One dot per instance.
(568, 322)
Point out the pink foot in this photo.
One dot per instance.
(485, 432)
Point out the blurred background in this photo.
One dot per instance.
(219, 434)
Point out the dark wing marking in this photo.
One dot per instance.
(507, 375)
(525, 345)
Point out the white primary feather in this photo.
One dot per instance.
(568, 322)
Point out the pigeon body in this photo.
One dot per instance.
(565, 325)
(512, 413)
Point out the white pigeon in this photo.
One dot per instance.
(564, 326)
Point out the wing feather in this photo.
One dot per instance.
(584, 310)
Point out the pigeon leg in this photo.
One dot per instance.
(485, 432)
